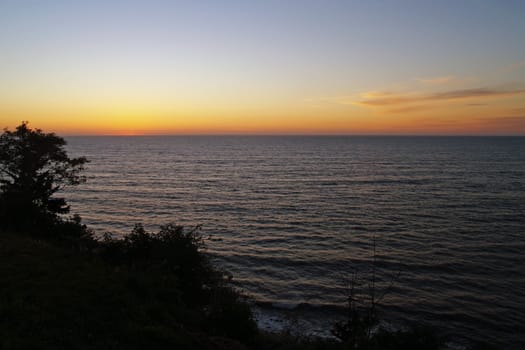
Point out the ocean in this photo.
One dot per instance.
(441, 221)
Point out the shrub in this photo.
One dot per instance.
(229, 315)
(176, 255)
(413, 339)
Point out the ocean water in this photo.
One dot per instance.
(292, 218)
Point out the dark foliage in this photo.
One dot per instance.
(177, 255)
(53, 297)
(72, 233)
(230, 316)
(414, 339)
(362, 309)
(482, 345)
(361, 316)
(172, 251)
(33, 166)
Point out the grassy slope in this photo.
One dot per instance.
(51, 297)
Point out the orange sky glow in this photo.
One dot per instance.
(263, 68)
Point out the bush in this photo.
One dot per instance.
(230, 316)
(173, 251)
(413, 339)
(176, 256)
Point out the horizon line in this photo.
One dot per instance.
(291, 135)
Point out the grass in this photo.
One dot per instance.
(52, 297)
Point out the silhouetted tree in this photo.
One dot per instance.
(33, 166)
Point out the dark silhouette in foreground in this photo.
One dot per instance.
(33, 167)
(147, 290)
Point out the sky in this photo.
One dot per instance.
(448, 67)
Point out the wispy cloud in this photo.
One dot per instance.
(508, 119)
(386, 99)
(476, 104)
(476, 92)
(391, 102)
